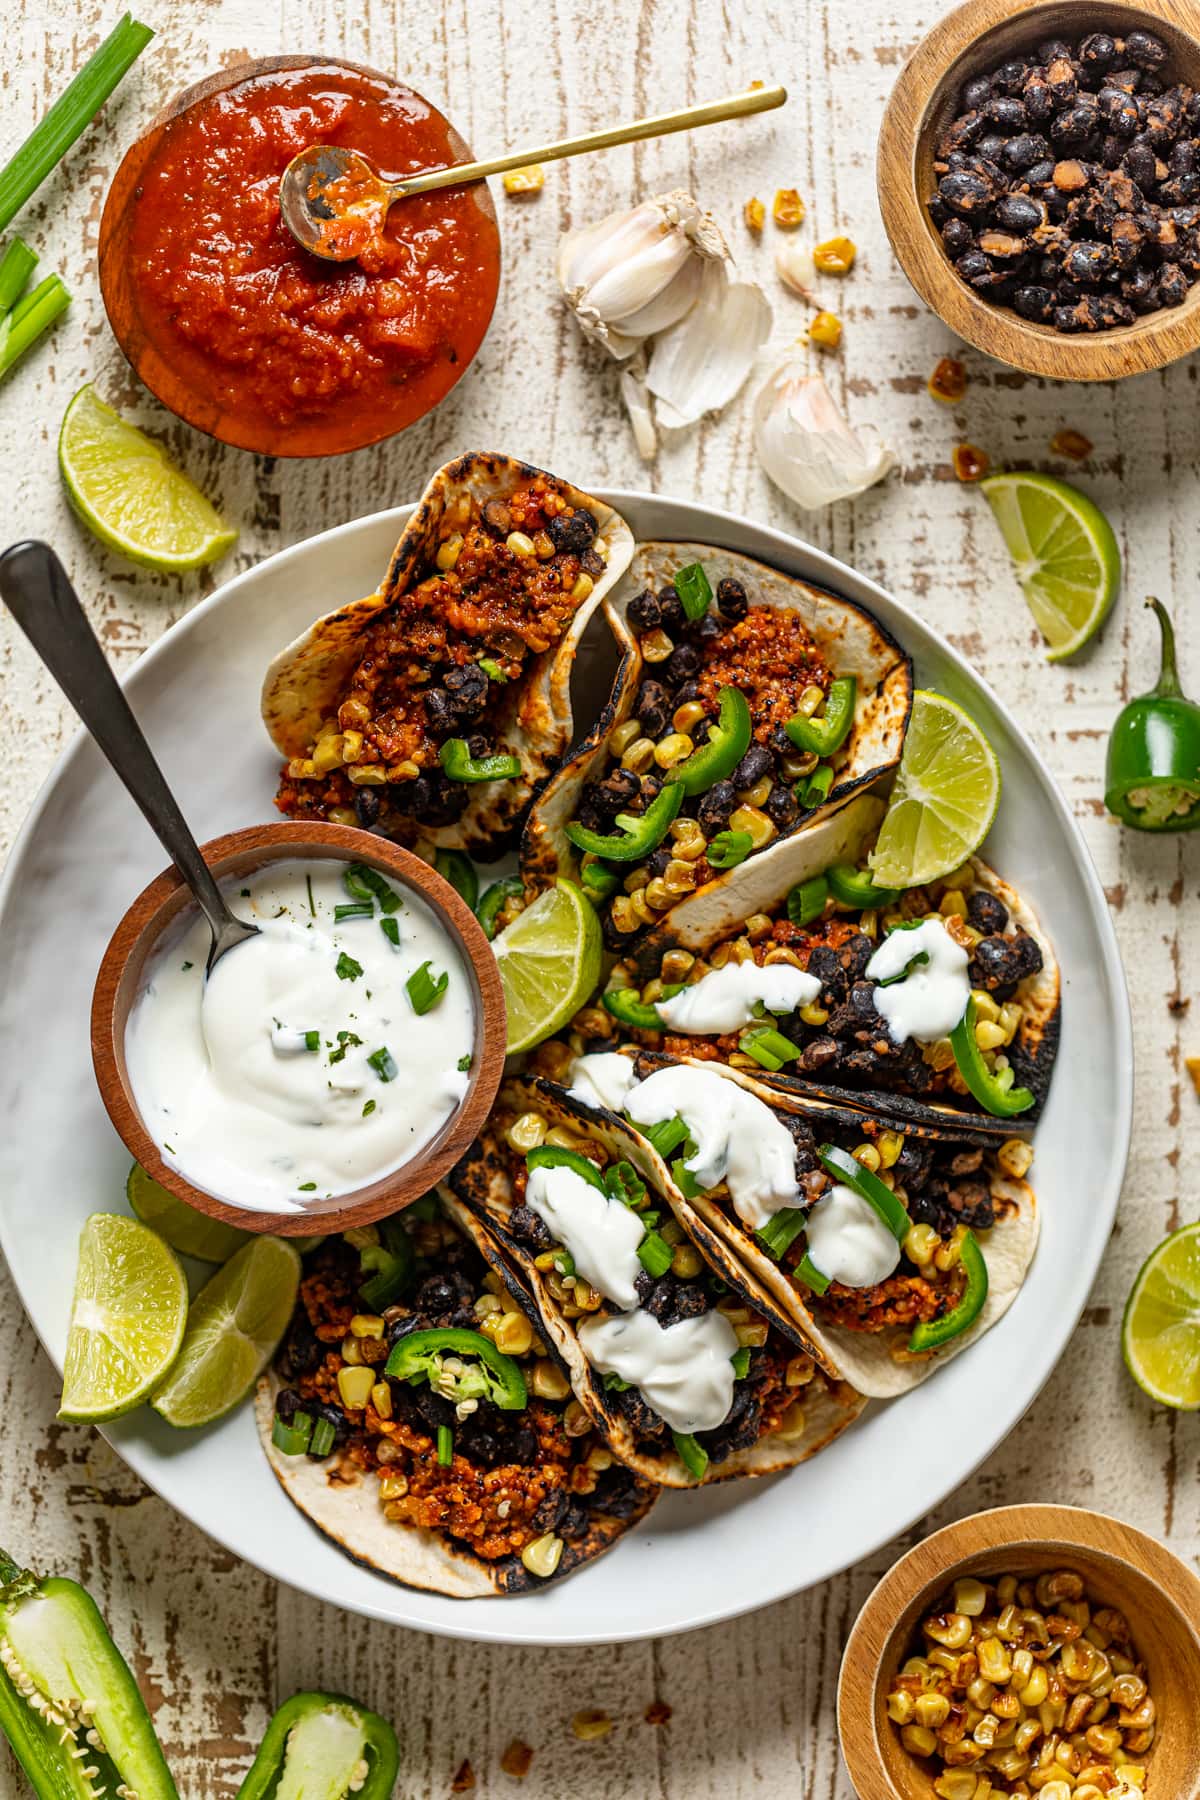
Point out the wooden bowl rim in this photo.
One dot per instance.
(162, 901)
(930, 1566)
(149, 365)
(1151, 343)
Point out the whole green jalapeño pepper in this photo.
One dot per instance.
(825, 735)
(68, 1704)
(460, 765)
(931, 1335)
(995, 1093)
(1153, 777)
(490, 1375)
(720, 754)
(640, 833)
(324, 1747)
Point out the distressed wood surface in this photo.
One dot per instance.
(215, 1644)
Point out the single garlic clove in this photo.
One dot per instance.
(805, 443)
(795, 268)
(700, 364)
(638, 406)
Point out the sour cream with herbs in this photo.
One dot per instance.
(726, 999)
(848, 1241)
(302, 1067)
(602, 1079)
(600, 1234)
(684, 1371)
(738, 1139)
(931, 999)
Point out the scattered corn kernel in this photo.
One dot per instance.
(530, 180)
(970, 462)
(526, 1132)
(673, 749)
(1071, 443)
(826, 330)
(835, 256)
(948, 381)
(1192, 1065)
(519, 543)
(754, 213)
(543, 1555)
(787, 209)
(591, 1724)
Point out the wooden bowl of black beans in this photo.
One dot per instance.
(1039, 178)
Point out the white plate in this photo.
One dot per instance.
(85, 852)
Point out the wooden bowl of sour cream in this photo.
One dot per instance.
(375, 1099)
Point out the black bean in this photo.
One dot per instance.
(1006, 114)
(1111, 151)
(1146, 51)
(1128, 240)
(1062, 80)
(1039, 101)
(1098, 51)
(986, 912)
(781, 807)
(1140, 162)
(572, 533)
(1034, 302)
(756, 763)
(467, 688)
(1001, 246)
(432, 797)
(960, 134)
(1018, 213)
(1053, 49)
(1010, 76)
(670, 610)
(1088, 263)
(1025, 152)
(653, 708)
(965, 193)
(973, 264)
(1041, 173)
(958, 236)
(644, 612)
(976, 93)
(1118, 112)
(939, 212)
(712, 814)
(1172, 285)
(682, 664)
(1075, 124)
(1181, 189)
(1182, 159)
(731, 599)
(991, 147)
(366, 807)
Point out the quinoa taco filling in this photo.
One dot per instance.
(419, 719)
(486, 1447)
(720, 1003)
(722, 680)
(685, 1365)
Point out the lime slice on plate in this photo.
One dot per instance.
(1160, 1333)
(1065, 554)
(549, 959)
(125, 489)
(127, 1319)
(186, 1230)
(945, 796)
(233, 1327)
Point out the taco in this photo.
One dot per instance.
(469, 1469)
(747, 705)
(778, 975)
(688, 1374)
(437, 705)
(888, 1247)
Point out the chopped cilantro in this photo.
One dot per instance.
(347, 968)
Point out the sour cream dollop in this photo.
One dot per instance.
(602, 1235)
(300, 1068)
(848, 1241)
(602, 1079)
(932, 998)
(684, 1371)
(738, 1138)
(725, 999)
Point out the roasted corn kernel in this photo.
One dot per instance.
(826, 330)
(787, 209)
(530, 180)
(835, 256)
(754, 213)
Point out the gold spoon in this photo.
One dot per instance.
(335, 202)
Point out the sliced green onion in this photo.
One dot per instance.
(354, 909)
(312, 905)
(383, 1064)
(728, 849)
(367, 882)
(307, 1187)
(693, 1457)
(312, 1040)
(655, 1254)
(622, 1182)
(445, 1446)
(459, 871)
(29, 318)
(694, 590)
(780, 1231)
(666, 1136)
(812, 1277)
(684, 1180)
(347, 968)
(70, 116)
(391, 931)
(617, 1384)
(17, 266)
(463, 1065)
(768, 1047)
(806, 901)
(492, 669)
(324, 1436)
(294, 1438)
(424, 989)
(368, 1109)
(816, 789)
(741, 1362)
(914, 962)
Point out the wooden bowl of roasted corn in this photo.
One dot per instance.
(1038, 1650)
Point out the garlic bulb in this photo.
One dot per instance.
(805, 443)
(795, 267)
(638, 272)
(700, 363)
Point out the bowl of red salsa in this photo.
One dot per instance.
(243, 334)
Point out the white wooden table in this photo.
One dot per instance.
(214, 1644)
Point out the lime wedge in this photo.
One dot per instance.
(549, 960)
(1065, 554)
(1160, 1333)
(945, 796)
(233, 1327)
(126, 490)
(127, 1319)
(180, 1225)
